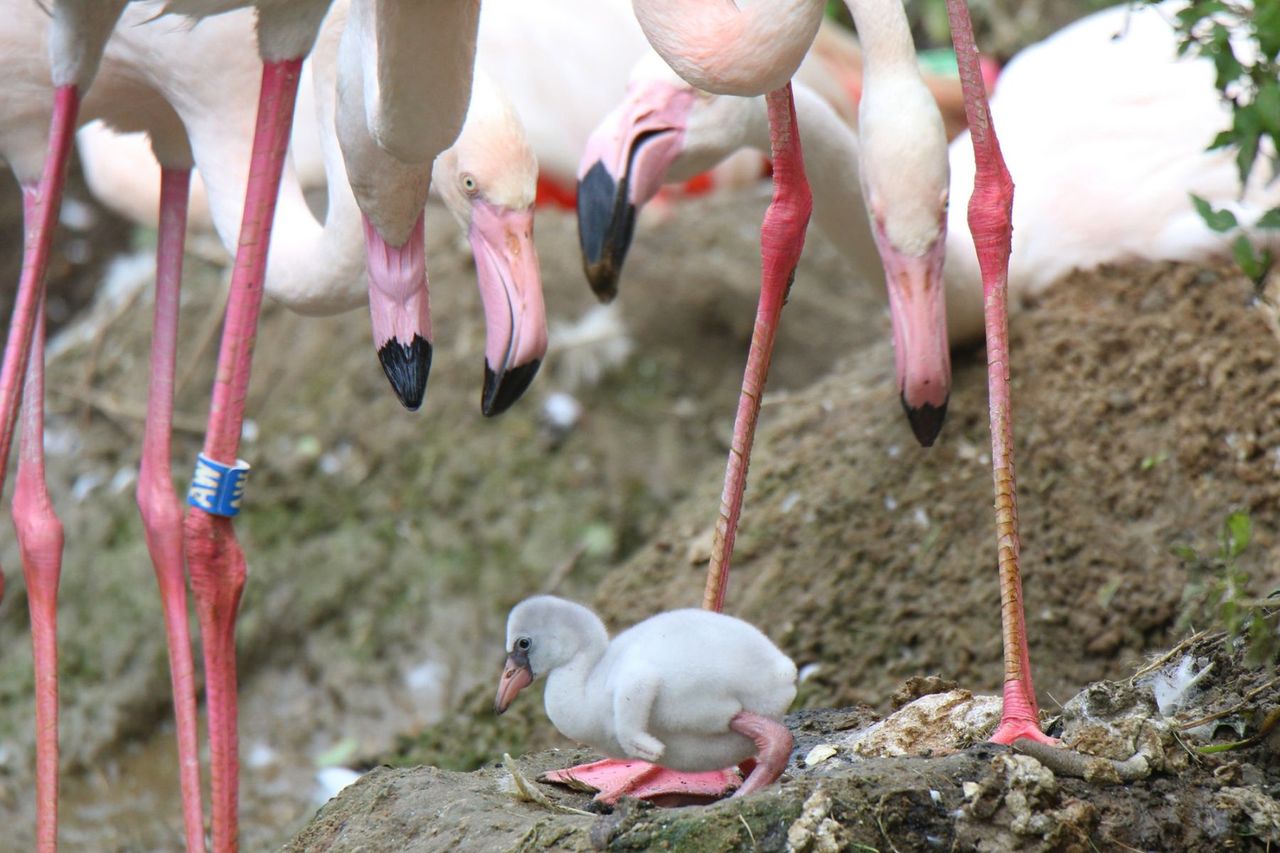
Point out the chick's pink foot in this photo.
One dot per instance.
(614, 779)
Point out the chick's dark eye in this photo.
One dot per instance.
(523, 644)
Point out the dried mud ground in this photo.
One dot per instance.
(385, 547)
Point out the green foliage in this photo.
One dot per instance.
(1218, 593)
(1251, 85)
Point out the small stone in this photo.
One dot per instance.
(819, 754)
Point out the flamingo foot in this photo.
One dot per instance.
(1018, 718)
(613, 779)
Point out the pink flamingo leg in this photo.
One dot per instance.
(158, 502)
(40, 544)
(40, 208)
(781, 242)
(990, 220)
(215, 559)
(39, 532)
(773, 749)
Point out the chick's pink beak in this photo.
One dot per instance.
(516, 676)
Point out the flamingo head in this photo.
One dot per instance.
(543, 634)
(488, 180)
(905, 179)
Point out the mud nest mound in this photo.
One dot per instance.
(1196, 770)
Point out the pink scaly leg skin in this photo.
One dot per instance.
(781, 242)
(40, 544)
(215, 559)
(990, 220)
(614, 779)
(773, 749)
(40, 206)
(158, 502)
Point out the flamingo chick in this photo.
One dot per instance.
(644, 695)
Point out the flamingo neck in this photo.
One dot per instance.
(415, 62)
(839, 210)
(885, 37)
(573, 693)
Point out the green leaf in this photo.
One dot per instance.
(1266, 26)
(1185, 553)
(1222, 140)
(1238, 529)
(1270, 219)
(1218, 220)
(1265, 260)
(1267, 102)
(1224, 58)
(1250, 264)
(1248, 125)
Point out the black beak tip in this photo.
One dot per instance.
(603, 279)
(926, 420)
(407, 368)
(500, 393)
(498, 709)
(606, 223)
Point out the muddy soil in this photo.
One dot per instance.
(840, 792)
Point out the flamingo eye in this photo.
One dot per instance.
(469, 184)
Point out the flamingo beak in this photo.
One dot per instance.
(918, 308)
(623, 166)
(400, 309)
(511, 290)
(516, 676)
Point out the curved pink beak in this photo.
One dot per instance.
(918, 309)
(516, 676)
(623, 166)
(511, 290)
